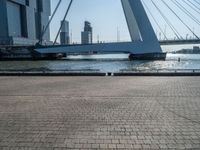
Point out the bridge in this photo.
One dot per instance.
(179, 42)
(144, 42)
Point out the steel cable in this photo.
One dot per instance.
(167, 21)
(180, 6)
(68, 8)
(179, 18)
(155, 20)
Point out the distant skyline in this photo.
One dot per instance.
(108, 20)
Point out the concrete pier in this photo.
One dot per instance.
(99, 113)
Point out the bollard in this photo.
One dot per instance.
(109, 74)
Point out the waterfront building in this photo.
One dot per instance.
(64, 34)
(22, 21)
(86, 35)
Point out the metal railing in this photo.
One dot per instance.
(160, 71)
(93, 72)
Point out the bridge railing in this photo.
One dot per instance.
(162, 42)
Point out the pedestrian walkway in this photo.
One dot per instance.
(99, 113)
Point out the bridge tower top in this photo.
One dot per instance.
(140, 28)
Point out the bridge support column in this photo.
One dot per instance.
(148, 56)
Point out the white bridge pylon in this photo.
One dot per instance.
(144, 40)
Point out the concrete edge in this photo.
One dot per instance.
(99, 74)
(52, 74)
(158, 74)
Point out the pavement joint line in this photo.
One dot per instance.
(181, 116)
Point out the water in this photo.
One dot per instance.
(106, 63)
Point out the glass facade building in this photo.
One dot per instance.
(22, 21)
(86, 35)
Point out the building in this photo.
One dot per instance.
(22, 21)
(86, 35)
(64, 34)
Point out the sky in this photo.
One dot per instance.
(108, 20)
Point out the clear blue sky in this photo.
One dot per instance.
(107, 15)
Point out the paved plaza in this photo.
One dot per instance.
(57, 113)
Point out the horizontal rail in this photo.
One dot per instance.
(179, 42)
(172, 72)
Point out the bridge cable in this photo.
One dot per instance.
(168, 22)
(67, 11)
(191, 6)
(197, 2)
(155, 20)
(180, 19)
(180, 6)
(47, 26)
(194, 5)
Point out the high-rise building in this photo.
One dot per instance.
(22, 21)
(64, 34)
(86, 35)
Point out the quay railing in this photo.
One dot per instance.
(158, 72)
(96, 72)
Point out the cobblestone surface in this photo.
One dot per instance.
(57, 113)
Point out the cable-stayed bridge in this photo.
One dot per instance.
(179, 42)
(184, 11)
(144, 42)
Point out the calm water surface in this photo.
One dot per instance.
(105, 63)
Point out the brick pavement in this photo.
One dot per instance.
(99, 113)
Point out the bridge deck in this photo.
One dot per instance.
(178, 42)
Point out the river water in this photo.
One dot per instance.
(105, 63)
(109, 63)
